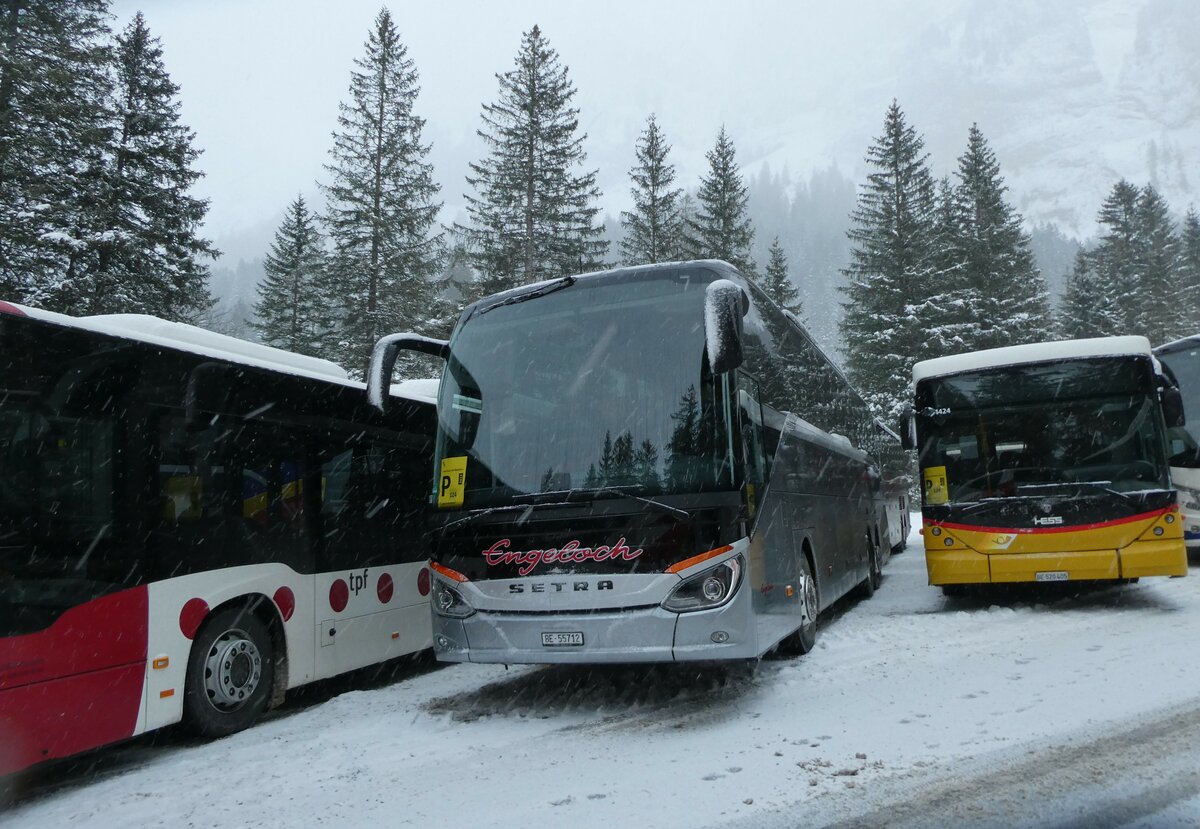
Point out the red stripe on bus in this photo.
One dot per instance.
(75, 685)
(1039, 530)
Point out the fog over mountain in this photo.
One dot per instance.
(1072, 95)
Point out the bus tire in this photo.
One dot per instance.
(868, 586)
(954, 591)
(804, 638)
(231, 670)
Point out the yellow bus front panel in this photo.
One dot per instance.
(1150, 544)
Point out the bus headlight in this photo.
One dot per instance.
(706, 590)
(449, 602)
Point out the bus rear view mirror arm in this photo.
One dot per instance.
(383, 361)
(724, 306)
(906, 429)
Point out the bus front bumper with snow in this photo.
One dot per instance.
(1141, 558)
(642, 634)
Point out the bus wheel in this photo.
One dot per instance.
(874, 578)
(804, 638)
(954, 591)
(230, 672)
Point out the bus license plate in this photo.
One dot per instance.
(1052, 575)
(558, 640)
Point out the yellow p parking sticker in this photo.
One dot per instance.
(936, 489)
(452, 482)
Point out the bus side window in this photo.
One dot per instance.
(373, 507)
(750, 417)
(229, 495)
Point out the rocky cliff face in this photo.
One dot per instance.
(1073, 95)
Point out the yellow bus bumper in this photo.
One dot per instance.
(1167, 557)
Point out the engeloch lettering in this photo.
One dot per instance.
(570, 553)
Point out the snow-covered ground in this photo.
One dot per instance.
(914, 709)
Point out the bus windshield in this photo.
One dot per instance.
(1036, 429)
(537, 409)
(1184, 364)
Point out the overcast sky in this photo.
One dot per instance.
(799, 83)
(261, 79)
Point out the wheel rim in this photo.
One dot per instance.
(808, 596)
(232, 670)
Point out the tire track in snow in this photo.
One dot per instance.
(1120, 778)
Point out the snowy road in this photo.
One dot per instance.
(913, 710)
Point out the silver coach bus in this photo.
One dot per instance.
(644, 464)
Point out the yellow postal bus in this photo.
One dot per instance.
(1047, 462)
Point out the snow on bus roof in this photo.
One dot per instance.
(183, 337)
(1178, 345)
(422, 390)
(1031, 353)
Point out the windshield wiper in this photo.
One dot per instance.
(1097, 486)
(467, 519)
(576, 495)
(548, 288)
(568, 497)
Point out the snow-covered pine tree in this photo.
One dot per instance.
(948, 308)
(55, 122)
(654, 227)
(776, 283)
(1007, 298)
(721, 227)
(687, 216)
(381, 212)
(1188, 289)
(1082, 313)
(1115, 261)
(146, 254)
(891, 262)
(292, 311)
(1157, 311)
(534, 209)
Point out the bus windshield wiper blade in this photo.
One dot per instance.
(566, 497)
(1097, 486)
(616, 492)
(477, 514)
(548, 288)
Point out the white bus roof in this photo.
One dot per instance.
(182, 337)
(423, 390)
(1031, 353)
(1178, 345)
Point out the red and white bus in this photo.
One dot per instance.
(190, 525)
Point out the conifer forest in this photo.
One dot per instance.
(98, 214)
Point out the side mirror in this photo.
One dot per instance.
(724, 306)
(907, 429)
(1172, 407)
(383, 362)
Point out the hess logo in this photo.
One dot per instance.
(1048, 521)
